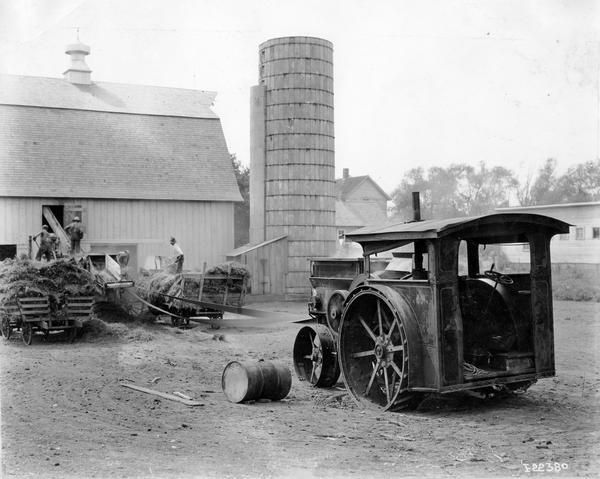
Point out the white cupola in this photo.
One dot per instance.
(78, 72)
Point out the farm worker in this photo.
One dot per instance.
(75, 232)
(178, 254)
(123, 260)
(55, 242)
(45, 246)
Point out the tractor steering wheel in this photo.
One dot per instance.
(498, 277)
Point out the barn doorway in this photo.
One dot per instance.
(7, 251)
(58, 211)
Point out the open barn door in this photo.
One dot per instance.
(57, 228)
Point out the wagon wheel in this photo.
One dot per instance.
(335, 307)
(315, 356)
(27, 333)
(136, 308)
(373, 350)
(6, 328)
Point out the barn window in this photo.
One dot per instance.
(595, 232)
(579, 233)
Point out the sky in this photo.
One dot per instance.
(416, 83)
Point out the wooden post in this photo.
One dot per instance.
(30, 248)
(202, 281)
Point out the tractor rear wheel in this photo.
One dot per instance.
(315, 356)
(373, 350)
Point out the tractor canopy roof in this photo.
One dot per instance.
(486, 229)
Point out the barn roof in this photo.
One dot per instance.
(111, 141)
(105, 96)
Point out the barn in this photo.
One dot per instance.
(138, 164)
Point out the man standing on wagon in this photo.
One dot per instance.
(75, 232)
(178, 253)
(45, 245)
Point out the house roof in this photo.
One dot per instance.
(81, 152)
(345, 186)
(105, 96)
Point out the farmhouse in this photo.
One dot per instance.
(138, 164)
(360, 202)
(580, 248)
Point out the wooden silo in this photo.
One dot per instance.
(292, 152)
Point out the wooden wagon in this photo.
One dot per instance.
(34, 314)
(212, 290)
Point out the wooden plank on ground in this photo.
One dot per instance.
(172, 397)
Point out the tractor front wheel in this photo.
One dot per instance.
(315, 356)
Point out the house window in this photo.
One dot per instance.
(525, 246)
(564, 237)
(579, 233)
(595, 232)
(341, 236)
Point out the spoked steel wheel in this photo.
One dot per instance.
(335, 308)
(374, 352)
(315, 356)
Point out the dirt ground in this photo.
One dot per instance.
(65, 415)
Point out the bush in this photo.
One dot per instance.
(574, 284)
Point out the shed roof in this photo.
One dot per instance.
(84, 152)
(494, 228)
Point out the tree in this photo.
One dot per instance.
(458, 190)
(241, 211)
(579, 183)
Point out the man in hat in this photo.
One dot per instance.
(45, 245)
(75, 232)
(55, 244)
(178, 254)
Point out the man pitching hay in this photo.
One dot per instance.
(178, 254)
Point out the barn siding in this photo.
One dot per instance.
(203, 229)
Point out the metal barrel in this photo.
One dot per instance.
(249, 380)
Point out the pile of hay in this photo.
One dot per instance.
(149, 287)
(232, 268)
(56, 279)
